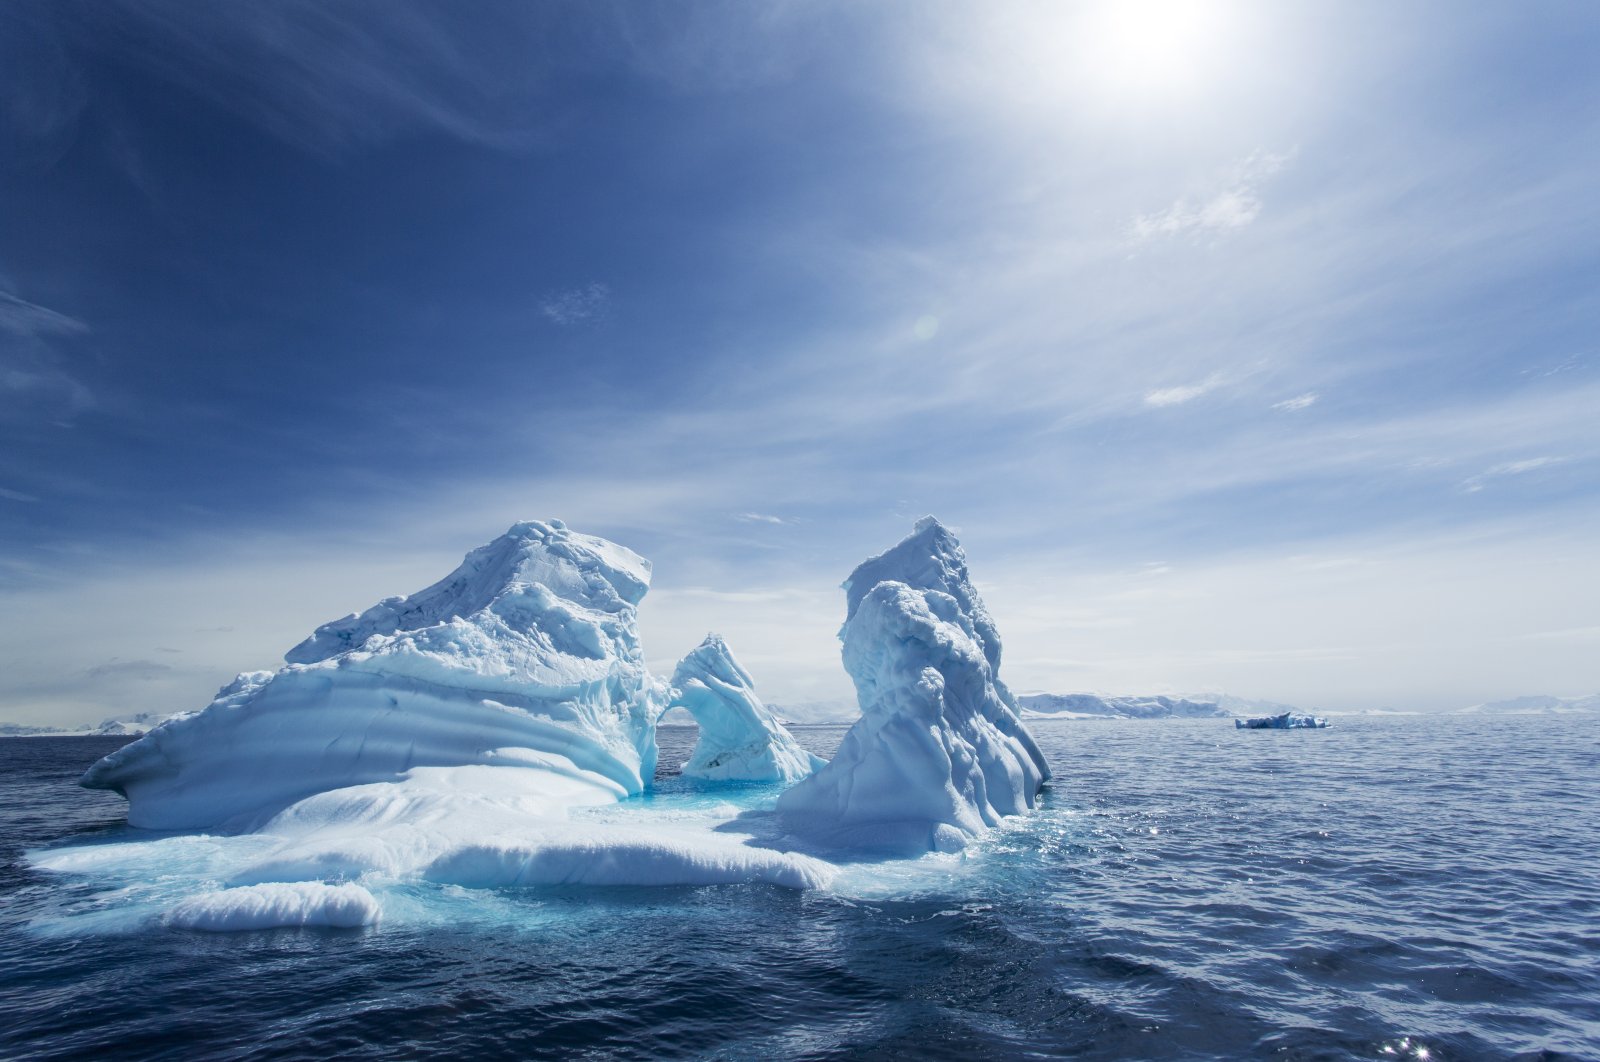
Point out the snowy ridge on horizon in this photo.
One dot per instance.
(1094, 706)
(134, 725)
(1534, 704)
(816, 713)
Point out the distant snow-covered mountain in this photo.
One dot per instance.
(1092, 706)
(119, 726)
(1233, 705)
(840, 710)
(1537, 704)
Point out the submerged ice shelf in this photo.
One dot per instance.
(457, 736)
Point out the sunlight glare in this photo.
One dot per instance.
(1153, 47)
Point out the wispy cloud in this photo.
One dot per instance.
(16, 495)
(21, 317)
(1177, 396)
(762, 518)
(1232, 207)
(142, 670)
(1508, 468)
(576, 305)
(329, 79)
(34, 385)
(1297, 403)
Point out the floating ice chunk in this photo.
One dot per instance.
(939, 754)
(1281, 721)
(531, 644)
(740, 740)
(278, 905)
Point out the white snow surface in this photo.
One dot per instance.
(740, 740)
(940, 753)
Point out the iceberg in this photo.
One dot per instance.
(453, 736)
(474, 734)
(940, 753)
(526, 655)
(740, 740)
(1282, 721)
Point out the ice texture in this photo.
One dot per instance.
(940, 753)
(278, 905)
(528, 653)
(740, 740)
(1281, 721)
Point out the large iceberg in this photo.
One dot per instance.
(484, 732)
(526, 655)
(740, 740)
(448, 736)
(940, 753)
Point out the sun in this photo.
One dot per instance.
(1151, 47)
(1110, 56)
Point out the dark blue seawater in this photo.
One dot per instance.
(1391, 888)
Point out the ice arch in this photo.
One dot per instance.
(740, 739)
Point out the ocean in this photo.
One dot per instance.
(1395, 887)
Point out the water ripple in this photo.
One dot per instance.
(1404, 888)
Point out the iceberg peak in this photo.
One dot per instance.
(584, 569)
(940, 753)
(740, 739)
(930, 558)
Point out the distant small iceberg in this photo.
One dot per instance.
(1282, 721)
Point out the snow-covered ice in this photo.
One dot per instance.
(940, 753)
(740, 740)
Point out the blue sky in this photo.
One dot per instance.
(1248, 346)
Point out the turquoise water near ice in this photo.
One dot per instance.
(1393, 887)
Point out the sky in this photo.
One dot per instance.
(1248, 347)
